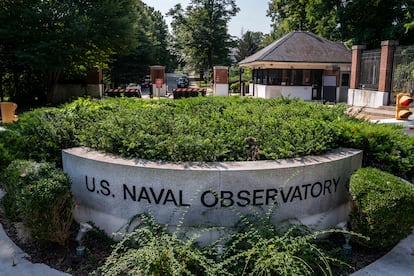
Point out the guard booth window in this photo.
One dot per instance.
(297, 77)
(345, 79)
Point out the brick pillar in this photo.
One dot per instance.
(387, 58)
(94, 77)
(356, 65)
(221, 80)
(158, 81)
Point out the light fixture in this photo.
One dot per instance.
(84, 227)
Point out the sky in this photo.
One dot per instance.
(251, 17)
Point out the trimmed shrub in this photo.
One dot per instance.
(209, 129)
(44, 133)
(9, 147)
(235, 87)
(385, 146)
(383, 207)
(39, 195)
(212, 129)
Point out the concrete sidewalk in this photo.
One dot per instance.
(13, 261)
(399, 261)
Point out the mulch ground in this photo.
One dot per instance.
(98, 248)
(63, 258)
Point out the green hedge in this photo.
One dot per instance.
(385, 146)
(210, 129)
(39, 195)
(383, 207)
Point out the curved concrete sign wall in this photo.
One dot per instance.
(109, 190)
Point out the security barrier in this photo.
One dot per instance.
(123, 92)
(188, 92)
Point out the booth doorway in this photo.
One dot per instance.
(329, 88)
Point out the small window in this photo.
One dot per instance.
(345, 79)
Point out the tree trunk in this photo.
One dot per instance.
(1, 86)
(52, 78)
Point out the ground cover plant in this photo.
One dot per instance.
(258, 248)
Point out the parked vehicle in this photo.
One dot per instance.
(134, 86)
(146, 82)
(183, 82)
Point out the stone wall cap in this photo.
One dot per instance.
(220, 67)
(359, 47)
(389, 43)
(334, 155)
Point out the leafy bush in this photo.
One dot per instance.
(383, 207)
(151, 250)
(44, 133)
(385, 146)
(209, 129)
(9, 148)
(235, 87)
(39, 195)
(260, 250)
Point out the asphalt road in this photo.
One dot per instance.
(171, 82)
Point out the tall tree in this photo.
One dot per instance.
(369, 22)
(151, 48)
(358, 21)
(317, 16)
(248, 44)
(67, 35)
(201, 34)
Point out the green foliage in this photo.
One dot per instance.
(373, 27)
(345, 20)
(385, 147)
(151, 250)
(9, 147)
(200, 32)
(211, 129)
(259, 249)
(44, 133)
(48, 37)
(206, 129)
(151, 48)
(383, 207)
(39, 195)
(262, 250)
(235, 87)
(403, 78)
(248, 44)
(234, 74)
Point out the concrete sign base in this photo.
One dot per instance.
(110, 190)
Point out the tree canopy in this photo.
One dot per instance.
(365, 22)
(152, 48)
(200, 32)
(50, 37)
(43, 39)
(248, 44)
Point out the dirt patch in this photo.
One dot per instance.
(62, 258)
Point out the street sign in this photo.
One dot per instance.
(159, 83)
